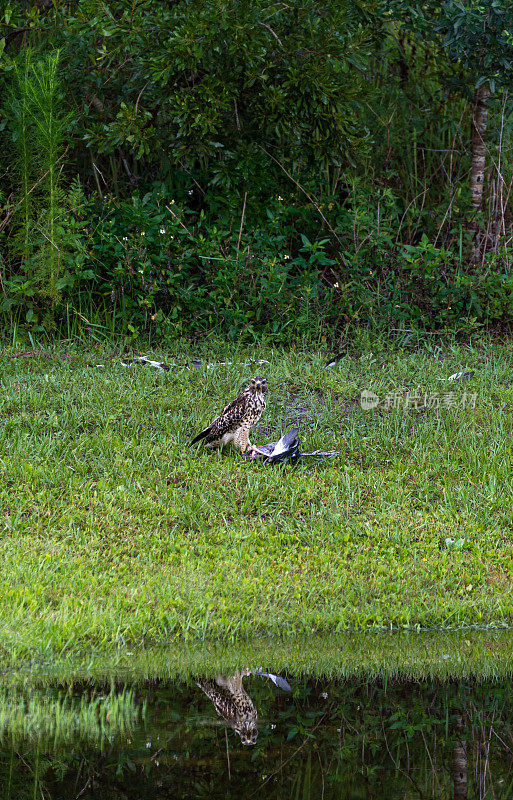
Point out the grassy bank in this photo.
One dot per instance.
(466, 654)
(115, 533)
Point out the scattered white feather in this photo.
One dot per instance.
(462, 376)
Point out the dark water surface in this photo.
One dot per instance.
(234, 736)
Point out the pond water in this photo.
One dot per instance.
(230, 735)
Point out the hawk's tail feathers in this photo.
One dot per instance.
(201, 435)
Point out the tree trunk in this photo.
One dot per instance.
(478, 146)
(459, 771)
(459, 764)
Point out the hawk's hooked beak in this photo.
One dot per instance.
(259, 384)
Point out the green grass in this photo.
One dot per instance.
(115, 534)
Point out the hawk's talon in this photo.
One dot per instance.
(253, 451)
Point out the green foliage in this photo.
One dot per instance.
(221, 78)
(153, 265)
(347, 111)
(475, 34)
(425, 286)
(38, 126)
(46, 127)
(479, 35)
(160, 266)
(20, 114)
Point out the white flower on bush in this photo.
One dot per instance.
(162, 230)
(286, 257)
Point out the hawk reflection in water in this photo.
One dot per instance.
(232, 702)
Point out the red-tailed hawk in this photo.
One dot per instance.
(237, 418)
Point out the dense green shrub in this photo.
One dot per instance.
(240, 168)
(150, 264)
(159, 265)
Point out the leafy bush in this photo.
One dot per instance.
(151, 263)
(237, 168)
